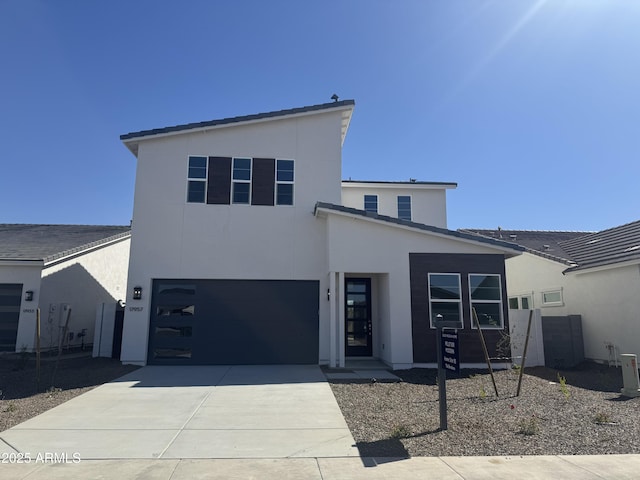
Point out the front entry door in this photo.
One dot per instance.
(358, 317)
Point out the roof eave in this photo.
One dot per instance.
(603, 265)
(402, 185)
(131, 140)
(509, 250)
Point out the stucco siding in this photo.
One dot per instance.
(176, 239)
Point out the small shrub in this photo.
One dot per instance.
(53, 391)
(529, 426)
(11, 408)
(602, 417)
(400, 431)
(483, 393)
(563, 387)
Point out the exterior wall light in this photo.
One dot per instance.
(328, 294)
(137, 293)
(28, 296)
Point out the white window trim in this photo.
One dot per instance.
(499, 302)
(519, 299)
(552, 304)
(437, 300)
(233, 181)
(410, 206)
(205, 180)
(285, 182)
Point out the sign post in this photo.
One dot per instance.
(448, 359)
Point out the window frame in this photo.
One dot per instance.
(241, 181)
(438, 300)
(190, 179)
(410, 207)
(519, 299)
(284, 182)
(499, 302)
(558, 303)
(365, 202)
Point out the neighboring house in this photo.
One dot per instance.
(247, 248)
(592, 274)
(54, 268)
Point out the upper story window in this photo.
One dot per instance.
(197, 179)
(445, 298)
(404, 207)
(241, 180)
(552, 298)
(371, 203)
(486, 298)
(284, 182)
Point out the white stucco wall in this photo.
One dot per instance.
(366, 246)
(96, 277)
(176, 239)
(608, 300)
(428, 204)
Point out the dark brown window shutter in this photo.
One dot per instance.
(219, 182)
(263, 181)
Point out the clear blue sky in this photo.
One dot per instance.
(531, 106)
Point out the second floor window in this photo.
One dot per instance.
(404, 207)
(241, 188)
(284, 182)
(197, 180)
(371, 203)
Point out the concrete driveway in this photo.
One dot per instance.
(192, 413)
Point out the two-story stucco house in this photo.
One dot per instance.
(248, 248)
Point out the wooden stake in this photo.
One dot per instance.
(64, 334)
(524, 353)
(484, 349)
(38, 349)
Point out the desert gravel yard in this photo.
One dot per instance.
(20, 400)
(583, 416)
(575, 412)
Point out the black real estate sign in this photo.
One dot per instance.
(450, 350)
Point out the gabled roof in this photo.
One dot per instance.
(512, 247)
(611, 246)
(47, 243)
(130, 139)
(578, 250)
(544, 243)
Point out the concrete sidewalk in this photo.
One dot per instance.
(254, 422)
(618, 467)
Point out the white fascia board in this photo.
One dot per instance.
(78, 253)
(405, 186)
(132, 143)
(507, 251)
(599, 268)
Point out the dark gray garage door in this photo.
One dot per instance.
(234, 322)
(10, 297)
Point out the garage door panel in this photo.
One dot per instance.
(239, 322)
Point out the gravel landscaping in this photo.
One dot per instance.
(577, 411)
(21, 400)
(572, 412)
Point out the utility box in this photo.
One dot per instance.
(562, 340)
(630, 380)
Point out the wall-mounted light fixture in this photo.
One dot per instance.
(28, 296)
(137, 293)
(328, 294)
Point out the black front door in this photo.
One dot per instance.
(357, 312)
